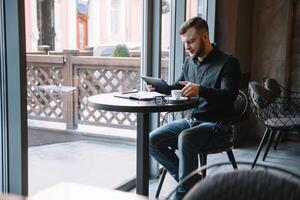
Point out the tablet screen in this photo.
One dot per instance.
(160, 85)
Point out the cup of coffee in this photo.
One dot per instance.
(176, 94)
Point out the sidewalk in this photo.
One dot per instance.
(101, 157)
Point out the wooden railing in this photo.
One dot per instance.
(84, 76)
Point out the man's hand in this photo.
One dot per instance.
(190, 89)
(150, 88)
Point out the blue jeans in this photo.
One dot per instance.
(188, 136)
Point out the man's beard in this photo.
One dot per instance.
(200, 51)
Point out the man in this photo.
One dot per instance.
(212, 77)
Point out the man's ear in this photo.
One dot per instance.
(205, 35)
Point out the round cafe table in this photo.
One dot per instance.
(143, 109)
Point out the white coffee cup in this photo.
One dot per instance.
(176, 94)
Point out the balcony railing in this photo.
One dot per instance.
(58, 87)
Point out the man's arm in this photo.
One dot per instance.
(177, 84)
(230, 80)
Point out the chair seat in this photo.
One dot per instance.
(283, 123)
(217, 149)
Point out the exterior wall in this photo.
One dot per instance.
(64, 24)
(28, 24)
(103, 17)
(136, 21)
(191, 8)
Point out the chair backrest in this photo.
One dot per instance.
(273, 111)
(272, 85)
(171, 116)
(246, 185)
(259, 96)
(241, 104)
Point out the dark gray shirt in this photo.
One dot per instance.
(219, 76)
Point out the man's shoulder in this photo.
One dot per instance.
(189, 61)
(223, 55)
(226, 58)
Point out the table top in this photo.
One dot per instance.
(72, 191)
(11, 197)
(108, 102)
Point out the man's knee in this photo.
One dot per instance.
(154, 137)
(185, 139)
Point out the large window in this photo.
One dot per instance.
(68, 140)
(196, 8)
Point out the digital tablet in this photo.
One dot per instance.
(160, 85)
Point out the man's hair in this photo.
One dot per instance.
(195, 22)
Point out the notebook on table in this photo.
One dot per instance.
(142, 95)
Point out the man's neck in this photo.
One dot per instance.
(208, 49)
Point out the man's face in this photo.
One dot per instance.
(193, 42)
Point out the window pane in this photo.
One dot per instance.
(165, 38)
(68, 140)
(196, 8)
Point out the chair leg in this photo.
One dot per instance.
(203, 161)
(231, 158)
(270, 140)
(277, 140)
(266, 134)
(161, 181)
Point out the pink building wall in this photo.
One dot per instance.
(103, 25)
(64, 24)
(28, 24)
(133, 13)
(136, 21)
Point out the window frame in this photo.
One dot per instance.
(13, 103)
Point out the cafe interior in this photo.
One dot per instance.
(261, 162)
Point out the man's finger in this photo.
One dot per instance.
(184, 82)
(186, 90)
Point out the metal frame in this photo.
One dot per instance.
(177, 56)
(3, 103)
(13, 98)
(211, 18)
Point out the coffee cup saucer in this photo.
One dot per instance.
(176, 99)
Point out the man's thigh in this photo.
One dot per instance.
(204, 135)
(167, 135)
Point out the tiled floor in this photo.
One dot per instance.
(105, 164)
(287, 156)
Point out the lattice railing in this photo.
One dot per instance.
(89, 76)
(103, 79)
(44, 104)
